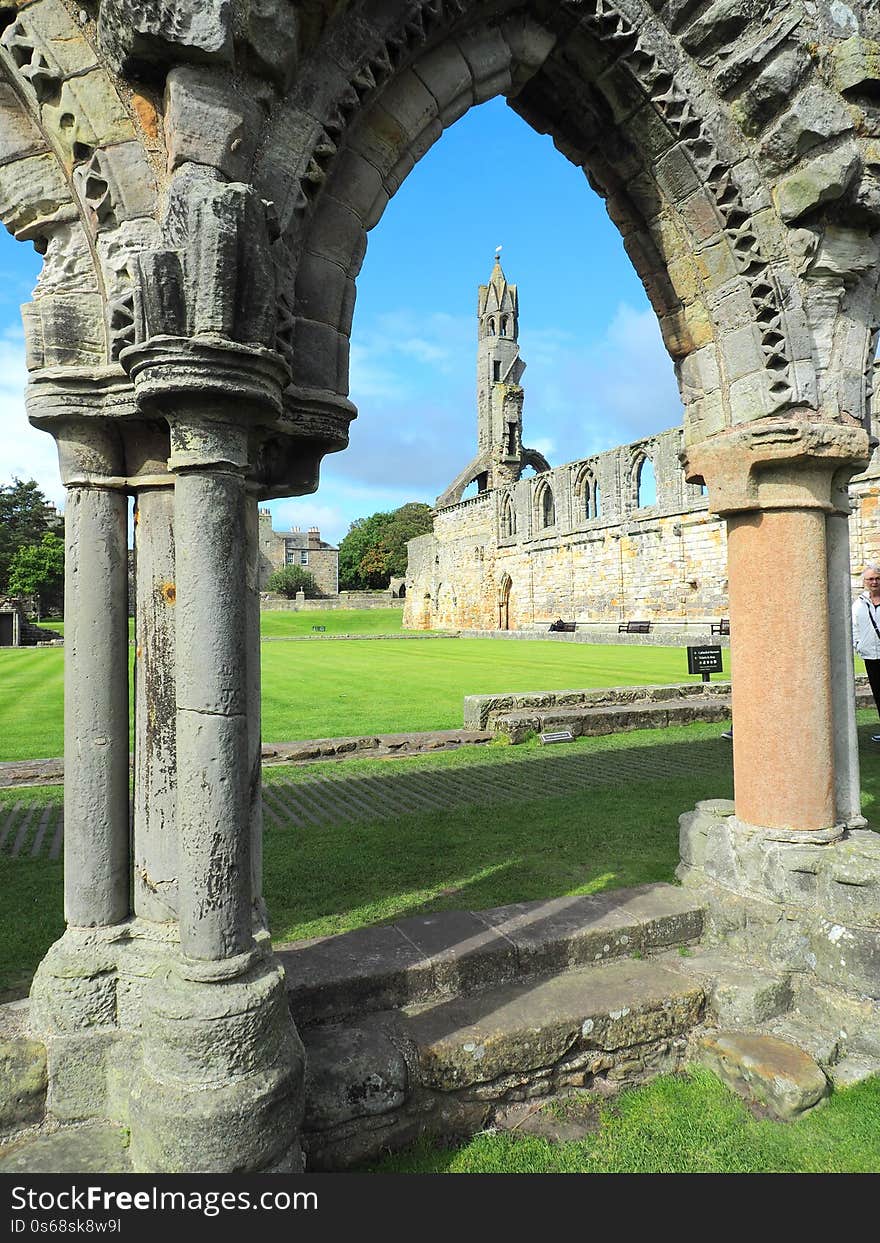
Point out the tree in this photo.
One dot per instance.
(291, 579)
(38, 570)
(374, 550)
(25, 514)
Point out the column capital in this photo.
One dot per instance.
(794, 462)
(171, 374)
(79, 407)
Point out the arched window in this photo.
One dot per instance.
(508, 518)
(644, 483)
(491, 328)
(504, 325)
(545, 507)
(597, 501)
(587, 492)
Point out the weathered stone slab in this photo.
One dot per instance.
(766, 1071)
(23, 1080)
(463, 951)
(369, 969)
(739, 994)
(351, 1072)
(524, 1026)
(97, 1149)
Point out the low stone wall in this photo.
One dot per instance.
(660, 636)
(269, 601)
(608, 710)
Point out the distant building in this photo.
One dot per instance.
(296, 547)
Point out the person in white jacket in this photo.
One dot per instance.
(866, 631)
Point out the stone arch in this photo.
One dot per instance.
(75, 181)
(676, 185)
(641, 472)
(586, 494)
(544, 506)
(505, 588)
(508, 517)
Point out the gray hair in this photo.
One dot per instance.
(870, 569)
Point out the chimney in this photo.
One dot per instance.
(314, 537)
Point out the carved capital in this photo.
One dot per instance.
(778, 463)
(80, 408)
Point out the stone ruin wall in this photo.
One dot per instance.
(665, 562)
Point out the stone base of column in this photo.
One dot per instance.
(808, 904)
(201, 1061)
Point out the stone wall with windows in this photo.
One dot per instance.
(297, 547)
(576, 543)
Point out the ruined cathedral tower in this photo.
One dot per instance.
(500, 454)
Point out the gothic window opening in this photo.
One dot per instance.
(496, 370)
(504, 326)
(508, 518)
(546, 507)
(491, 328)
(511, 439)
(644, 483)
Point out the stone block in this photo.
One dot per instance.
(815, 116)
(271, 32)
(23, 1082)
(357, 183)
(351, 1072)
(19, 136)
(488, 58)
(367, 970)
(141, 39)
(321, 289)
(463, 952)
(33, 193)
(767, 1071)
(846, 957)
(208, 122)
(317, 355)
(824, 179)
(446, 74)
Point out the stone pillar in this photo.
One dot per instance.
(155, 747)
(96, 745)
(222, 1083)
(254, 708)
(846, 744)
(213, 807)
(773, 481)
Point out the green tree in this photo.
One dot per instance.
(25, 514)
(38, 570)
(291, 579)
(374, 550)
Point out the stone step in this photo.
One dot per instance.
(97, 1148)
(738, 993)
(584, 721)
(777, 1078)
(569, 1021)
(458, 952)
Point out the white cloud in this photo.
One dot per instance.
(26, 452)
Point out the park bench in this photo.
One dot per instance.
(319, 627)
(721, 627)
(634, 627)
(567, 627)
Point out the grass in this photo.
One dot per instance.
(333, 689)
(678, 1124)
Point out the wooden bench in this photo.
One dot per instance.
(567, 627)
(319, 627)
(721, 627)
(634, 627)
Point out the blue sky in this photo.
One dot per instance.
(597, 374)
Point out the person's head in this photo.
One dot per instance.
(871, 579)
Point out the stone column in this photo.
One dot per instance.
(222, 1081)
(253, 682)
(96, 743)
(846, 743)
(155, 747)
(213, 806)
(773, 481)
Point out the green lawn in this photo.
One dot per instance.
(330, 689)
(678, 1124)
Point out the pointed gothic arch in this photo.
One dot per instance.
(508, 517)
(504, 589)
(544, 506)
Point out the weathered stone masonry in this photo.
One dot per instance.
(573, 541)
(200, 179)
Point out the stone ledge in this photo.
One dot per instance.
(435, 956)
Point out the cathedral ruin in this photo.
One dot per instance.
(580, 541)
